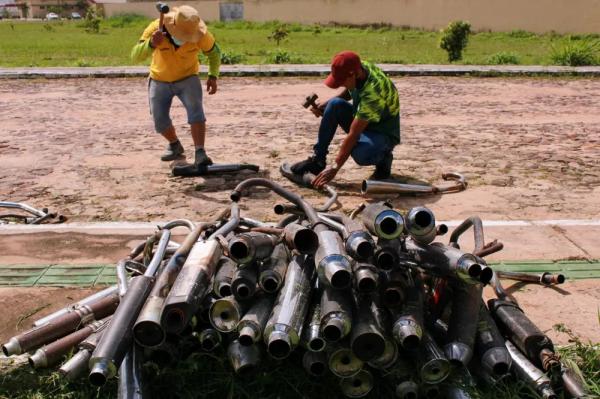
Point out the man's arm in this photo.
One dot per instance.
(141, 51)
(356, 128)
(318, 110)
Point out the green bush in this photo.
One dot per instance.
(91, 24)
(279, 34)
(577, 53)
(280, 57)
(503, 58)
(231, 58)
(455, 38)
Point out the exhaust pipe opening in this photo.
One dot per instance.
(388, 226)
(243, 291)
(306, 241)
(225, 290)
(341, 279)
(279, 348)
(279, 209)
(270, 284)
(363, 187)
(239, 250)
(392, 297)
(486, 275)
(385, 260)
(208, 344)
(474, 270)
(246, 340)
(501, 368)
(316, 344)
(367, 284)
(411, 342)
(423, 219)
(174, 320)
(317, 368)
(99, 374)
(332, 332)
(364, 250)
(148, 334)
(560, 279)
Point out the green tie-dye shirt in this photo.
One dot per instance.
(377, 103)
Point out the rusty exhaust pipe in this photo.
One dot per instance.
(343, 362)
(336, 314)
(249, 247)
(530, 374)
(243, 284)
(252, 325)
(539, 278)
(272, 272)
(222, 281)
(209, 339)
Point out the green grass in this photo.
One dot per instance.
(65, 43)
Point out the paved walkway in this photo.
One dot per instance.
(306, 70)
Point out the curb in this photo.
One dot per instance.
(307, 70)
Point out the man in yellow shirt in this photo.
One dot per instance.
(174, 73)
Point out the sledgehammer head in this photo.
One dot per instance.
(162, 8)
(310, 101)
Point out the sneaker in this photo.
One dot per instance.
(383, 169)
(174, 151)
(311, 165)
(201, 158)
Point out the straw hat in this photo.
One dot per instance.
(185, 24)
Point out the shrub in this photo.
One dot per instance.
(92, 21)
(503, 58)
(455, 38)
(279, 34)
(231, 58)
(280, 57)
(577, 53)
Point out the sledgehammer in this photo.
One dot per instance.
(162, 8)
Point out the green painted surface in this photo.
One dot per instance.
(91, 275)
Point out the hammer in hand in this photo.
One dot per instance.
(162, 8)
(310, 101)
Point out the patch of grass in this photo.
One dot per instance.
(503, 58)
(26, 43)
(577, 53)
(230, 58)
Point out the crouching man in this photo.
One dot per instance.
(371, 120)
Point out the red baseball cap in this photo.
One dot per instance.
(342, 65)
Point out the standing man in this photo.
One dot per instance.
(372, 120)
(174, 72)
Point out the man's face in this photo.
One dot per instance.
(350, 82)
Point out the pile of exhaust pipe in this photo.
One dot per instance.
(371, 298)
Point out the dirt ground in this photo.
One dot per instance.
(529, 148)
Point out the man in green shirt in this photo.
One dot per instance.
(372, 120)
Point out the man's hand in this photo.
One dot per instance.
(319, 108)
(325, 177)
(211, 85)
(157, 38)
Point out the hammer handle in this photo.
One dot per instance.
(161, 21)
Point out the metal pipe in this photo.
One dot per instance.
(210, 339)
(222, 281)
(408, 324)
(489, 248)
(407, 390)
(489, 345)
(244, 359)
(387, 255)
(311, 333)
(81, 303)
(249, 247)
(285, 323)
(382, 187)
(429, 391)
(226, 313)
(272, 272)
(51, 354)
(357, 386)
(475, 222)
(366, 339)
(545, 278)
(462, 325)
(572, 384)
(333, 265)
(315, 363)
(79, 363)
(306, 180)
(420, 225)
(216, 169)
(530, 374)
(381, 220)
(243, 283)
(393, 287)
(336, 314)
(148, 330)
(389, 357)
(300, 238)
(131, 382)
(117, 338)
(358, 242)
(343, 362)
(60, 326)
(179, 223)
(23, 207)
(366, 277)
(433, 366)
(252, 325)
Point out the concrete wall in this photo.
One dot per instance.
(563, 16)
(208, 9)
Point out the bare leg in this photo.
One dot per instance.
(170, 135)
(198, 134)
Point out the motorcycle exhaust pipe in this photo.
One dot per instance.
(226, 313)
(539, 278)
(432, 364)
(381, 220)
(315, 363)
(273, 271)
(393, 288)
(407, 390)
(489, 346)
(312, 338)
(366, 277)
(204, 170)
(343, 362)
(430, 391)
(386, 256)
(191, 285)
(300, 238)
(252, 325)
(117, 338)
(222, 282)
(523, 333)
(462, 325)
(336, 314)
(249, 247)
(51, 354)
(408, 325)
(244, 359)
(77, 365)
(530, 374)
(243, 283)
(420, 225)
(147, 330)
(61, 325)
(357, 386)
(367, 340)
(285, 323)
(333, 266)
(209, 339)
(358, 242)
(389, 357)
(131, 381)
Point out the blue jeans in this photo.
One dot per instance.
(160, 95)
(371, 147)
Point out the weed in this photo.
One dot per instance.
(230, 57)
(279, 34)
(503, 58)
(577, 53)
(280, 57)
(521, 34)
